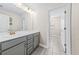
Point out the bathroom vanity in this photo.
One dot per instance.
(22, 44)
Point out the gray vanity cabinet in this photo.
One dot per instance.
(36, 39)
(24, 45)
(32, 42)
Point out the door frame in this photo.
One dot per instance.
(67, 6)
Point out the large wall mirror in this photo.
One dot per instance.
(10, 22)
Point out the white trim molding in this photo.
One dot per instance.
(42, 45)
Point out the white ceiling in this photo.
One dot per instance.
(10, 7)
(48, 6)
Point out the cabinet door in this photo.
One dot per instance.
(0, 49)
(12, 42)
(30, 50)
(17, 50)
(36, 40)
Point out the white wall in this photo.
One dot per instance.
(75, 28)
(17, 21)
(43, 22)
(42, 18)
(24, 18)
(29, 22)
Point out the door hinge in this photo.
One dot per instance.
(64, 44)
(64, 28)
(65, 11)
(65, 49)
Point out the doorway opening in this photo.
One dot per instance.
(59, 31)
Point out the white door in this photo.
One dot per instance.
(59, 36)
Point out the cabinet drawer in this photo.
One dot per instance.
(30, 41)
(12, 42)
(30, 37)
(30, 45)
(36, 38)
(36, 34)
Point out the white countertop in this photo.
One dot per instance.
(6, 36)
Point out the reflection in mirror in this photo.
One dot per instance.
(10, 22)
(10, 26)
(4, 21)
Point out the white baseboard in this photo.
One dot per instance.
(42, 45)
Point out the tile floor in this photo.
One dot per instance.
(44, 51)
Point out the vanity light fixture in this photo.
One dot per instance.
(25, 8)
